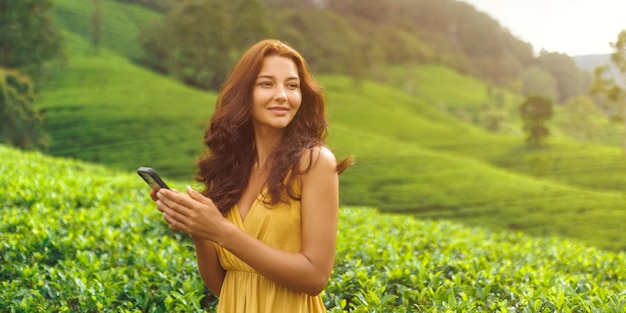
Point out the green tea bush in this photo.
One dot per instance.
(76, 237)
(394, 263)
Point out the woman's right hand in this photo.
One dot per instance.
(153, 193)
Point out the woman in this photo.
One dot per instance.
(265, 226)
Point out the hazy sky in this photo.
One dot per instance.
(575, 27)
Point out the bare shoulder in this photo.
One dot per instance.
(319, 158)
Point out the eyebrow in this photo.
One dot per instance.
(272, 77)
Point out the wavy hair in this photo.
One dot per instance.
(226, 168)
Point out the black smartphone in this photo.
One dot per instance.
(152, 178)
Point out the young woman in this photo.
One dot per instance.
(265, 225)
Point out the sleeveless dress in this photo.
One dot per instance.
(246, 291)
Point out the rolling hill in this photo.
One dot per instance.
(412, 156)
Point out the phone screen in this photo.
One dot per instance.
(151, 177)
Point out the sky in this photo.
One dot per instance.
(574, 27)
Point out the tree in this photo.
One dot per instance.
(327, 41)
(581, 118)
(614, 92)
(28, 35)
(195, 42)
(159, 5)
(96, 24)
(535, 112)
(247, 23)
(539, 82)
(493, 114)
(21, 125)
(569, 78)
(28, 38)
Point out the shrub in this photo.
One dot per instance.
(83, 238)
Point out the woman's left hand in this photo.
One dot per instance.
(192, 213)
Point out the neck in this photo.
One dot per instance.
(265, 142)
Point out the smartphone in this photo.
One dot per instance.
(152, 178)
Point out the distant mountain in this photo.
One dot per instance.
(591, 61)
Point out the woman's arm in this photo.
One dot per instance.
(209, 266)
(307, 271)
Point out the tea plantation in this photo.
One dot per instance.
(77, 237)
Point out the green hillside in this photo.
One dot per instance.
(79, 237)
(412, 156)
(106, 109)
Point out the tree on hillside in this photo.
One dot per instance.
(448, 32)
(328, 42)
(247, 23)
(96, 24)
(197, 41)
(28, 35)
(494, 114)
(375, 11)
(581, 119)
(159, 5)
(21, 125)
(191, 43)
(535, 112)
(568, 76)
(537, 81)
(299, 4)
(614, 92)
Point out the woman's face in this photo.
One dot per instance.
(276, 96)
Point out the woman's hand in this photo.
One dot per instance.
(192, 213)
(153, 193)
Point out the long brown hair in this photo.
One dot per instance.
(226, 168)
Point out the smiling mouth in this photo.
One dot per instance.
(279, 109)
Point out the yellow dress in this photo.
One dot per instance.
(246, 291)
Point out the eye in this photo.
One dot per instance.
(265, 83)
(293, 85)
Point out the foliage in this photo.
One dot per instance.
(96, 23)
(613, 90)
(248, 24)
(538, 81)
(333, 48)
(84, 238)
(389, 263)
(581, 118)
(404, 32)
(28, 35)
(28, 38)
(196, 40)
(535, 112)
(479, 44)
(570, 80)
(22, 124)
(160, 5)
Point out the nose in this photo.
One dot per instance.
(281, 94)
